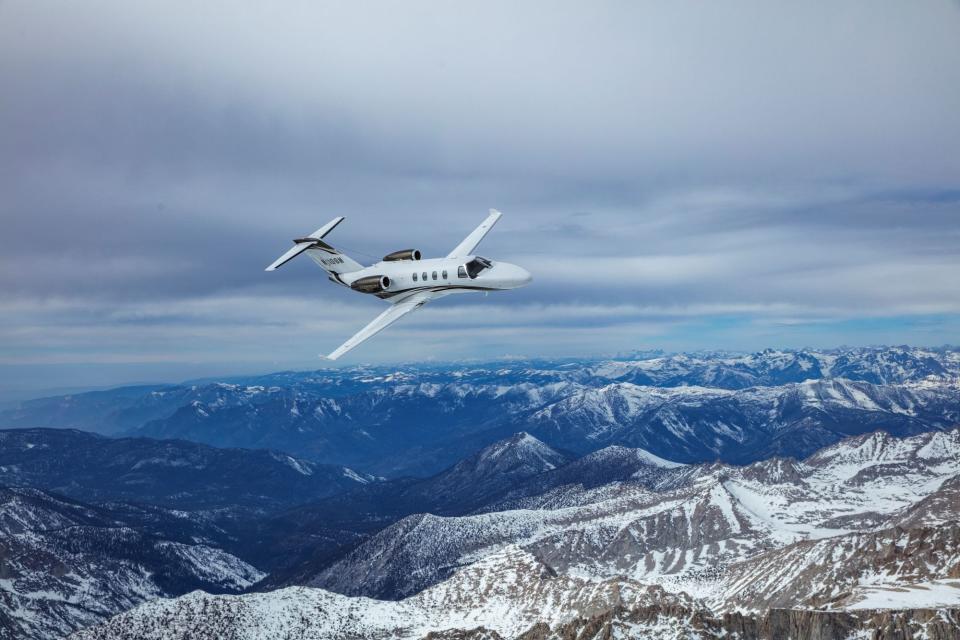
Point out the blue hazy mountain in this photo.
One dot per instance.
(419, 420)
(171, 473)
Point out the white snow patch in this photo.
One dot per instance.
(935, 593)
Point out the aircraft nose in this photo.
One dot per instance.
(518, 276)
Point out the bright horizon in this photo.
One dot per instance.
(104, 378)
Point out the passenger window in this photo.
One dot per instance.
(434, 274)
(424, 274)
(444, 274)
(461, 272)
(414, 277)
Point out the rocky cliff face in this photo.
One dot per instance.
(778, 624)
(849, 571)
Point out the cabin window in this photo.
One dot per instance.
(424, 275)
(444, 274)
(434, 274)
(461, 272)
(414, 277)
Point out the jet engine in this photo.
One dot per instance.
(405, 254)
(371, 284)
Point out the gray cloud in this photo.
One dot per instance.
(660, 166)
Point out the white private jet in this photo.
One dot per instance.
(404, 279)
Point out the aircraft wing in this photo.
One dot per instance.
(470, 243)
(382, 321)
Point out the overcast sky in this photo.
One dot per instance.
(675, 175)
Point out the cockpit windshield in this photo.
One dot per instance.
(475, 266)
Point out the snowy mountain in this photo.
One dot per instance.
(697, 423)
(313, 614)
(66, 565)
(632, 567)
(682, 532)
(420, 420)
(513, 589)
(914, 567)
(659, 519)
(571, 483)
(706, 495)
(640, 546)
(468, 485)
(475, 480)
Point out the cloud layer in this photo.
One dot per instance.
(682, 175)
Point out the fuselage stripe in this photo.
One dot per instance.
(391, 294)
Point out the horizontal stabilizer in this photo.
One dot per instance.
(329, 259)
(297, 249)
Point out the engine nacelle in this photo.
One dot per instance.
(406, 254)
(371, 284)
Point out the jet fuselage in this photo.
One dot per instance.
(440, 275)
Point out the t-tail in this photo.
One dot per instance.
(328, 258)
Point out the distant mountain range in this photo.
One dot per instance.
(417, 421)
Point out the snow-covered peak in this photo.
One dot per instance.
(521, 449)
(636, 455)
(881, 447)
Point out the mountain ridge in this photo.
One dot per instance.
(684, 407)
